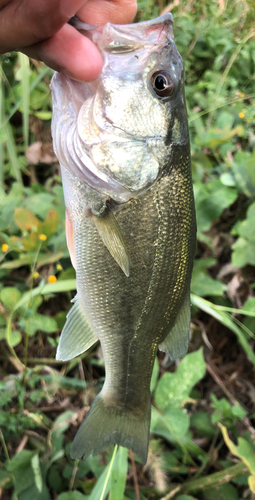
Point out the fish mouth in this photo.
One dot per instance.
(123, 38)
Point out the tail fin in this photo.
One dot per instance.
(105, 425)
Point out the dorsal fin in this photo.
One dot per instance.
(77, 335)
(177, 340)
(112, 237)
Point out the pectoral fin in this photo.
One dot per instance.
(177, 341)
(77, 335)
(112, 237)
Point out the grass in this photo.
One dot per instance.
(202, 446)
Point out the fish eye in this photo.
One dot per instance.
(162, 83)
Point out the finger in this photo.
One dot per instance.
(70, 53)
(99, 12)
(25, 22)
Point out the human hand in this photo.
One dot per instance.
(38, 28)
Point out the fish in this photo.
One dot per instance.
(123, 145)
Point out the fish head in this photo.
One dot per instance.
(122, 127)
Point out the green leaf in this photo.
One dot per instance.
(221, 492)
(2, 333)
(35, 462)
(5, 478)
(20, 466)
(244, 247)
(61, 424)
(40, 204)
(225, 120)
(14, 338)
(185, 497)
(249, 305)
(227, 179)
(243, 168)
(119, 474)
(10, 296)
(211, 199)
(174, 388)
(50, 225)
(24, 478)
(201, 283)
(32, 493)
(26, 220)
(55, 477)
(174, 419)
(177, 421)
(243, 451)
(251, 211)
(72, 495)
(44, 115)
(184, 441)
(201, 421)
(243, 253)
(20, 460)
(245, 229)
(41, 322)
(154, 376)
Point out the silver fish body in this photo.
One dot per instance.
(123, 145)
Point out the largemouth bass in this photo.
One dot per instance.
(123, 145)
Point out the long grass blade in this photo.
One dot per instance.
(102, 486)
(224, 104)
(227, 70)
(119, 475)
(59, 286)
(45, 71)
(25, 76)
(2, 132)
(225, 320)
(11, 148)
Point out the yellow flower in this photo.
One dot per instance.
(35, 275)
(241, 94)
(42, 237)
(59, 267)
(5, 247)
(52, 278)
(241, 115)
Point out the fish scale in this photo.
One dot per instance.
(130, 223)
(153, 291)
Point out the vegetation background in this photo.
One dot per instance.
(202, 431)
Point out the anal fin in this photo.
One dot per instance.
(77, 335)
(112, 237)
(177, 340)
